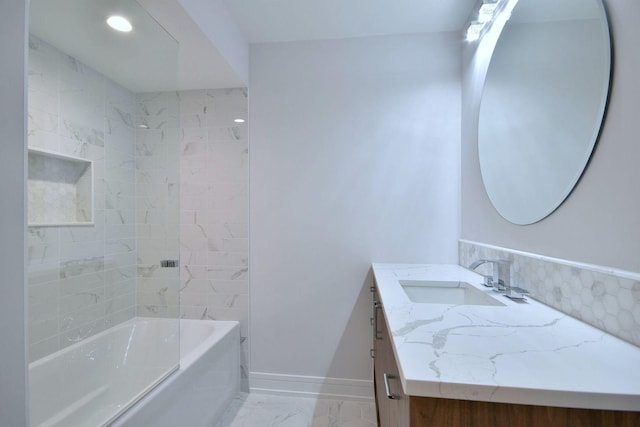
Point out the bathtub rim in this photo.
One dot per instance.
(221, 328)
(148, 404)
(185, 360)
(95, 337)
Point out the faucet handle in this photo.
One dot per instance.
(494, 279)
(487, 281)
(516, 293)
(503, 270)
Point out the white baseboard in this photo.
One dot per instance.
(303, 386)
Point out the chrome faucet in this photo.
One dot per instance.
(489, 281)
(501, 278)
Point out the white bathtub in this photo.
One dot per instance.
(94, 382)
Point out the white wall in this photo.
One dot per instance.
(354, 158)
(599, 222)
(13, 147)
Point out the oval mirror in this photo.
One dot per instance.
(542, 105)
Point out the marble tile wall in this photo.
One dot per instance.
(81, 278)
(214, 227)
(605, 298)
(158, 157)
(157, 214)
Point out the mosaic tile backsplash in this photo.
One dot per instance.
(605, 298)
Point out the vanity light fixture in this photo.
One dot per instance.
(485, 14)
(474, 30)
(239, 120)
(484, 18)
(119, 23)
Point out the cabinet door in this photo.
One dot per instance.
(392, 412)
(382, 404)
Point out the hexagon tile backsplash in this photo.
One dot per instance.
(608, 299)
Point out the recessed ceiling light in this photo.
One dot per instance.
(119, 23)
(239, 120)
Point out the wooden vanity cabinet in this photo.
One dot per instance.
(391, 412)
(415, 411)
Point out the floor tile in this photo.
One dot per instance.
(265, 410)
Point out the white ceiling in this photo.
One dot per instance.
(264, 21)
(145, 60)
(148, 59)
(78, 28)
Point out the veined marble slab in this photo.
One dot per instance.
(517, 353)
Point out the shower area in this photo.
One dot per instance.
(136, 222)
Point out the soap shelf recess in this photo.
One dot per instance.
(60, 189)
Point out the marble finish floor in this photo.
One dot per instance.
(265, 410)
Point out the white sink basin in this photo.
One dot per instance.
(446, 292)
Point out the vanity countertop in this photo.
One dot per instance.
(526, 353)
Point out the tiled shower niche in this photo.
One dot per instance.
(60, 189)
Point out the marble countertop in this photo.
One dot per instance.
(516, 353)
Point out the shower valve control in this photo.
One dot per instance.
(169, 263)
